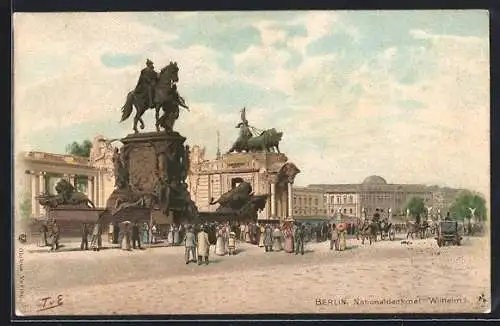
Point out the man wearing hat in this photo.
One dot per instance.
(147, 81)
(203, 245)
(190, 245)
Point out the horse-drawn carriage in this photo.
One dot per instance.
(447, 232)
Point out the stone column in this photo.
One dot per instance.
(290, 200)
(74, 180)
(102, 200)
(34, 192)
(90, 188)
(42, 189)
(97, 187)
(273, 199)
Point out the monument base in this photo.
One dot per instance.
(157, 165)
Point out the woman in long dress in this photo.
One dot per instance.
(176, 235)
(125, 242)
(277, 238)
(261, 236)
(170, 235)
(145, 233)
(220, 247)
(288, 233)
(247, 233)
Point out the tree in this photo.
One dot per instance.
(78, 149)
(468, 199)
(416, 205)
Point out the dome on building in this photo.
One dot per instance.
(374, 180)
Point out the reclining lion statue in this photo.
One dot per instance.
(66, 195)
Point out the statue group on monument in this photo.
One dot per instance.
(155, 91)
(267, 140)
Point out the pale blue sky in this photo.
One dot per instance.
(401, 94)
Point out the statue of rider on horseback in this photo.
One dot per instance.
(155, 91)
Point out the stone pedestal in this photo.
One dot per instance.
(151, 157)
(157, 165)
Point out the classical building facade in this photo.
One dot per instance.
(38, 172)
(374, 192)
(268, 173)
(308, 202)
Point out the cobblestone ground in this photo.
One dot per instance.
(386, 277)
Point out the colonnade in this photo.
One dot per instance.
(38, 183)
(288, 202)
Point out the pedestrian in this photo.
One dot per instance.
(111, 232)
(232, 243)
(299, 240)
(203, 246)
(342, 230)
(116, 233)
(334, 243)
(135, 235)
(288, 233)
(262, 229)
(242, 232)
(268, 238)
(154, 228)
(277, 239)
(44, 230)
(96, 240)
(54, 235)
(176, 235)
(145, 233)
(190, 245)
(219, 245)
(125, 238)
(84, 245)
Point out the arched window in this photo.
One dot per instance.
(345, 210)
(316, 201)
(351, 199)
(338, 200)
(350, 210)
(345, 199)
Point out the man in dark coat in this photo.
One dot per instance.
(116, 232)
(54, 234)
(85, 237)
(299, 239)
(268, 238)
(135, 236)
(44, 230)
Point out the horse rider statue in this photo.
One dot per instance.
(147, 81)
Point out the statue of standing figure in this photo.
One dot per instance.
(121, 173)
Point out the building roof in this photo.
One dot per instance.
(374, 180)
(57, 158)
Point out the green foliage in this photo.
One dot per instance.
(460, 207)
(25, 207)
(78, 149)
(416, 205)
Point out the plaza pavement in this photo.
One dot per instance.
(157, 281)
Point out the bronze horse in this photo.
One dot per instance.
(162, 94)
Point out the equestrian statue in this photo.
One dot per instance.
(155, 91)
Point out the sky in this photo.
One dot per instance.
(403, 95)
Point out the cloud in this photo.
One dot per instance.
(404, 95)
